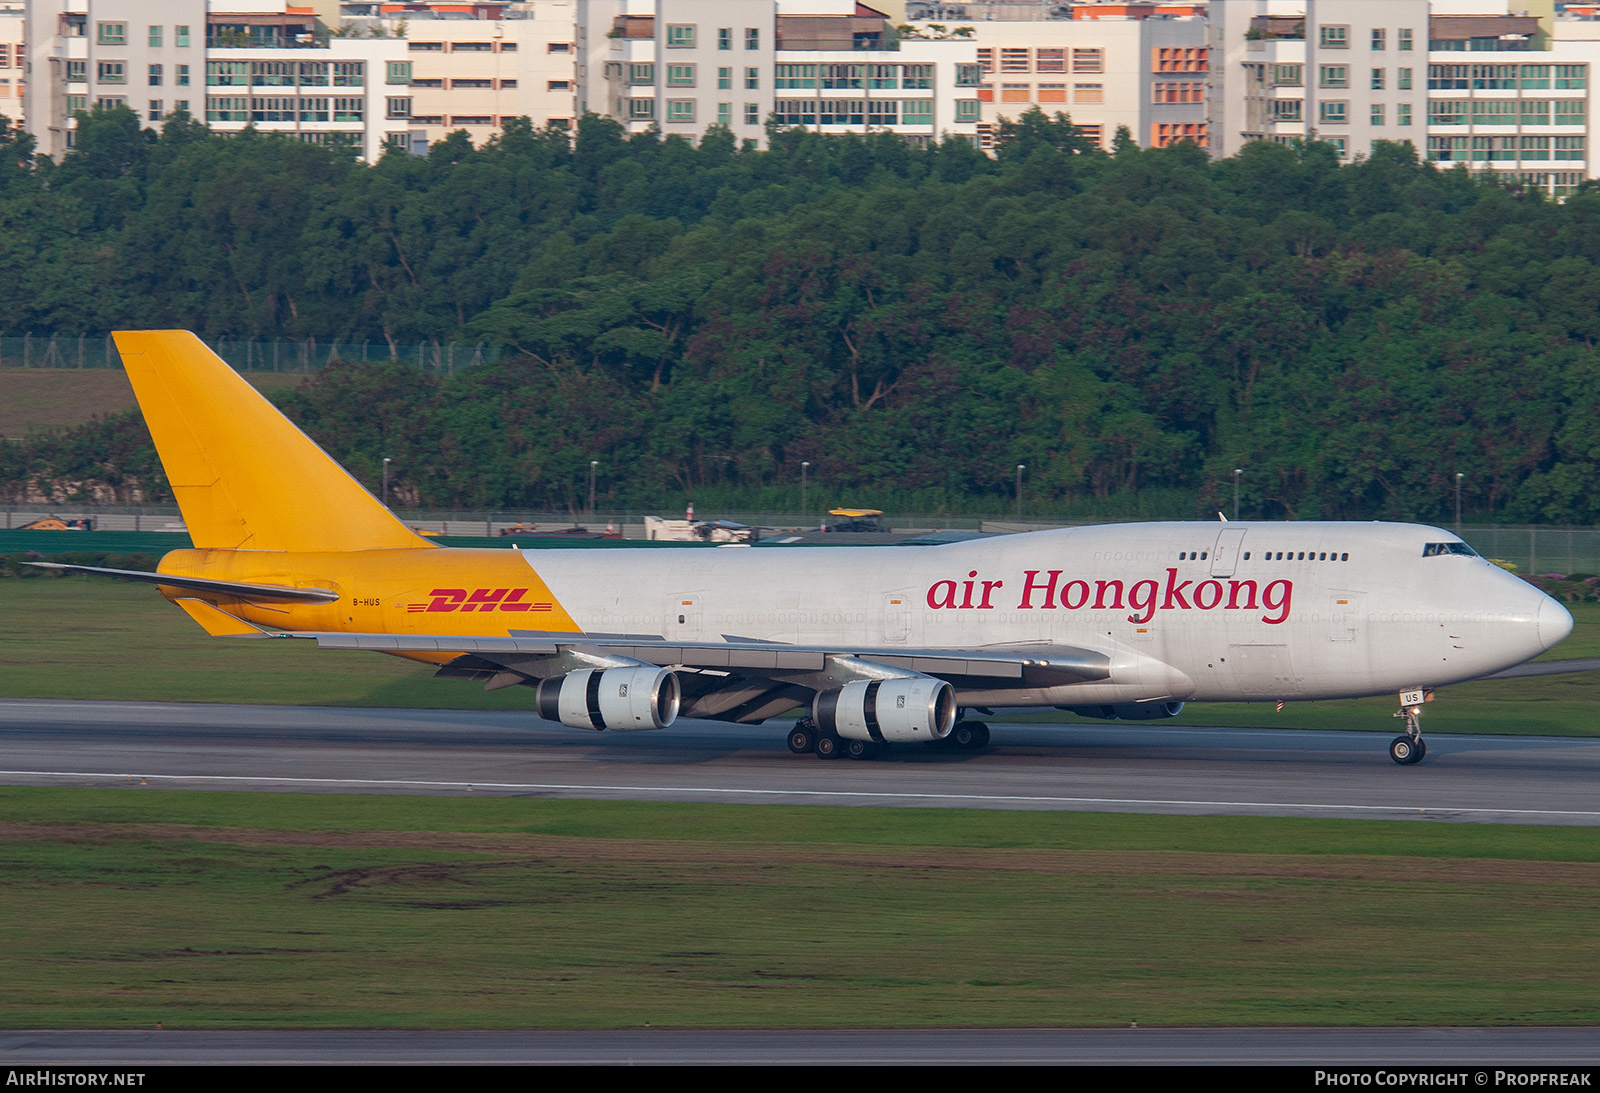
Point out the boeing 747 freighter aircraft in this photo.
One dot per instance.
(882, 645)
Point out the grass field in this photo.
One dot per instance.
(53, 398)
(132, 907)
(70, 638)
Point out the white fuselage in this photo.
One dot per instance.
(1188, 611)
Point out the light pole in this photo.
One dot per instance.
(386, 482)
(804, 467)
(593, 463)
(1459, 477)
(1237, 471)
(1020, 468)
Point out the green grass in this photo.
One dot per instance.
(132, 907)
(70, 638)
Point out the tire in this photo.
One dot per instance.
(829, 746)
(969, 735)
(1403, 750)
(802, 741)
(861, 749)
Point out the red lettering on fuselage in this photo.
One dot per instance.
(1045, 590)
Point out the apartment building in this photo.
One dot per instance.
(1124, 67)
(475, 73)
(1464, 83)
(13, 58)
(233, 64)
(833, 66)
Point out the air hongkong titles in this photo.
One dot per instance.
(1045, 590)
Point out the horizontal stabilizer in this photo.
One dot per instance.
(265, 593)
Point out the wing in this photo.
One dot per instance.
(735, 680)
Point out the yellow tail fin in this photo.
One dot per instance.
(244, 476)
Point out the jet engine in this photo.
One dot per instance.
(631, 697)
(895, 710)
(1129, 711)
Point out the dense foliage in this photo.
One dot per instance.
(912, 322)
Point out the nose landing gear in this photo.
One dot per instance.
(1409, 747)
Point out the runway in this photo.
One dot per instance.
(1118, 767)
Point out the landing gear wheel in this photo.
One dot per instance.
(862, 749)
(802, 739)
(970, 735)
(1406, 750)
(829, 746)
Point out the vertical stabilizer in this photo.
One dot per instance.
(245, 477)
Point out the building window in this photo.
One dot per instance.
(1015, 60)
(1088, 92)
(317, 110)
(558, 85)
(680, 36)
(75, 103)
(1088, 60)
(680, 110)
(967, 110)
(1335, 37)
(641, 74)
(559, 47)
(425, 47)
(1572, 77)
(111, 72)
(77, 71)
(680, 75)
(752, 113)
(641, 109)
(1569, 148)
(1287, 109)
(986, 59)
(154, 113)
(399, 72)
(1052, 92)
(474, 84)
(182, 105)
(180, 37)
(111, 34)
(472, 47)
(725, 114)
(968, 75)
(883, 78)
(752, 79)
(785, 77)
(1377, 113)
(1288, 75)
(1403, 79)
(1378, 79)
(1378, 39)
(348, 109)
(1402, 114)
(920, 77)
(155, 43)
(1405, 38)
(1051, 60)
(1334, 76)
(154, 76)
(1570, 112)
(725, 79)
(110, 102)
(1333, 113)
(752, 37)
(227, 108)
(399, 107)
(725, 38)
(1015, 92)
(1178, 60)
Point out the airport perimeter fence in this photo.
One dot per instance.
(303, 356)
(1531, 549)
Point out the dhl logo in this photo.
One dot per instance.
(479, 599)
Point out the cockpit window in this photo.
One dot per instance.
(1430, 550)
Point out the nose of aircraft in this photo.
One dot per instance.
(1555, 623)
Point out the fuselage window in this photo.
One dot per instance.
(1247, 555)
(1344, 557)
(1302, 556)
(1322, 557)
(1203, 554)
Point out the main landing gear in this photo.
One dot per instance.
(1409, 747)
(806, 739)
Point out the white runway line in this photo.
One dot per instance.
(849, 794)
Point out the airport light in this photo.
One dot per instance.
(593, 463)
(1020, 468)
(1459, 477)
(386, 482)
(804, 466)
(1237, 471)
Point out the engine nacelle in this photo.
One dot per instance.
(1129, 711)
(896, 710)
(642, 697)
